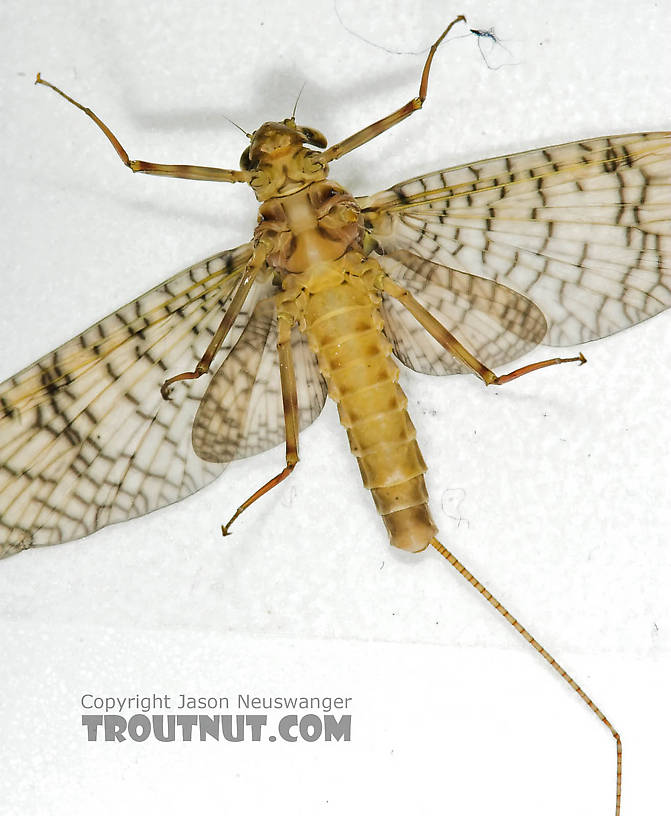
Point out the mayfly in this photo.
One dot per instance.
(460, 270)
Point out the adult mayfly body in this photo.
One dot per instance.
(460, 270)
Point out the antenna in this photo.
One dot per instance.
(235, 124)
(293, 112)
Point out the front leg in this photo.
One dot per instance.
(370, 132)
(185, 171)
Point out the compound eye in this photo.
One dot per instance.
(246, 161)
(314, 137)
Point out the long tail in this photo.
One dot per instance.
(487, 595)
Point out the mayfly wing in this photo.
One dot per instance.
(241, 413)
(86, 439)
(493, 321)
(583, 229)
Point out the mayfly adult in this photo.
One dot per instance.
(458, 271)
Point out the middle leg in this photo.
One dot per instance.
(449, 342)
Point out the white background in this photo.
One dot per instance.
(554, 490)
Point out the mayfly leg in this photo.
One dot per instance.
(500, 608)
(290, 406)
(449, 342)
(185, 171)
(203, 365)
(370, 132)
(198, 173)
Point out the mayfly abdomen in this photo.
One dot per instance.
(344, 327)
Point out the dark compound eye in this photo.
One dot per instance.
(246, 161)
(314, 137)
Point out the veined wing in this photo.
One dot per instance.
(495, 323)
(242, 411)
(86, 438)
(583, 229)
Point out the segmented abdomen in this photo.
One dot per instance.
(344, 328)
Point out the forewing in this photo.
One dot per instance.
(583, 229)
(86, 438)
(242, 411)
(495, 323)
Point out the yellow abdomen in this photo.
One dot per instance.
(344, 328)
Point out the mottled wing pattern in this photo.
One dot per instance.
(583, 229)
(492, 321)
(86, 438)
(242, 412)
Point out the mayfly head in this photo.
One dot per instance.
(275, 140)
(280, 160)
